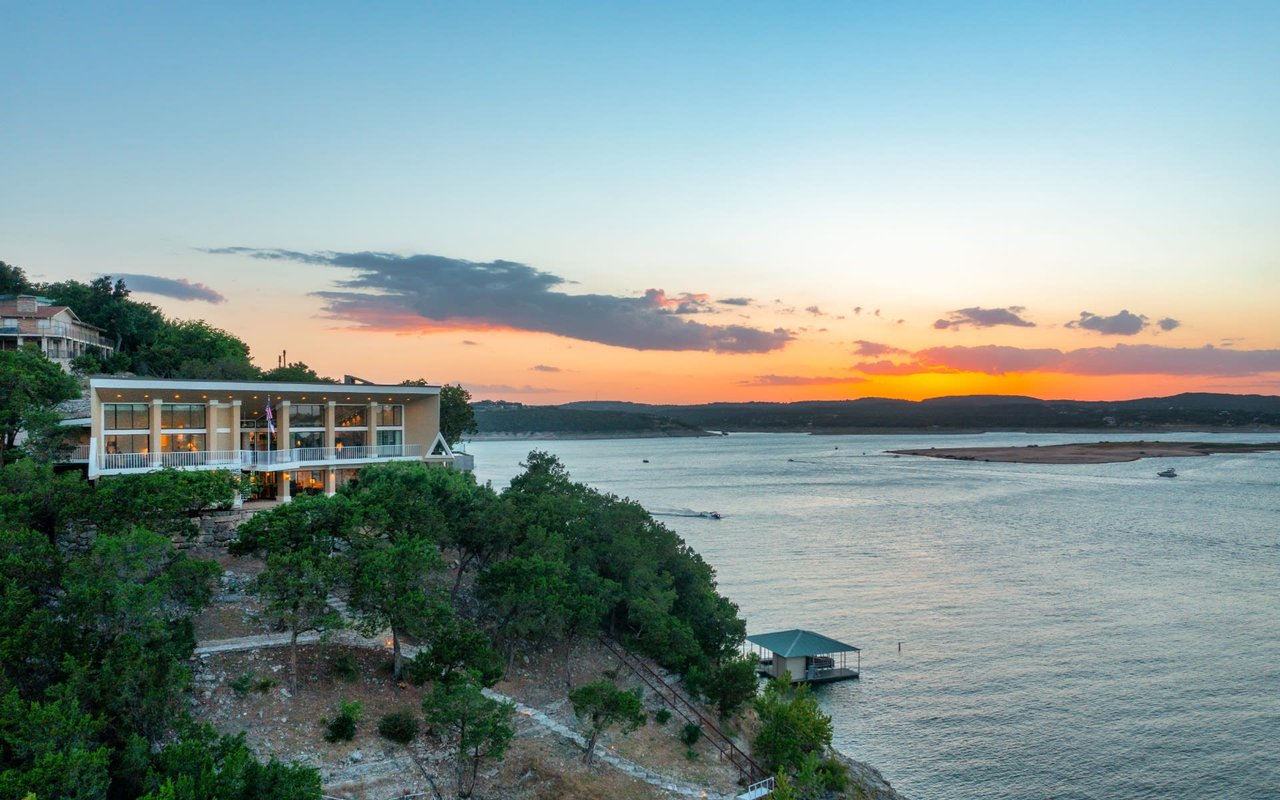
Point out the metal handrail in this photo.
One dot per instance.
(682, 706)
(250, 458)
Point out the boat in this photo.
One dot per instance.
(709, 514)
(1168, 473)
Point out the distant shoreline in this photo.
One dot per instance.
(1088, 453)
(585, 436)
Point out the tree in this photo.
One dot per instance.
(34, 497)
(203, 765)
(298, 540)
(457, 417)
(295, 372)
(452, 646)
(51, 748)
(131, 599)
(731, 684)
(196, 349)
(477, 726)
(166, 501)
(30, 385)
(13, 280)
(133, 326)
(605, 705)
(792, 726)
(390, 586)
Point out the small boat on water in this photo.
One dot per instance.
(1168, 473)
(710, 514)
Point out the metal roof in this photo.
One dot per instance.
(797, 642)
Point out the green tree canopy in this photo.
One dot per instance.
(30, 385)
(604, 705)
(476, 726)
(792, 727)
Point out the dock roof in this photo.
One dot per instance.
(797, 642)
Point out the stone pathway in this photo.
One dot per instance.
(535, 715)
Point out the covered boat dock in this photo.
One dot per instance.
(801, 656)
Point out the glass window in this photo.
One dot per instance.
(126, 443)
(390, 416)
(181, 415)
(125, 417)
(350, 416)
(306, 416)
(181, 442)
(307, 438)
(348, 440)
(390, 438)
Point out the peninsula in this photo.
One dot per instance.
(1088, 452)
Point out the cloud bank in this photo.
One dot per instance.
(983, 318)
(424, 292)
(178, 289)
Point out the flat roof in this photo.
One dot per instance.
(798, 642)
(138, 390)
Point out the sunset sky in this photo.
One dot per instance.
(677, 202)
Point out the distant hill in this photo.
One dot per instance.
(514, 419)
(1190, 411)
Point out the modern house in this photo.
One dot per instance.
(289, 437)
(26, 319)
(800, 656)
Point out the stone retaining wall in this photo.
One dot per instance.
(216, 529)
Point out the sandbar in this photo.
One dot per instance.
(1088, 452)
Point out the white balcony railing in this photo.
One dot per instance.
(256, 459)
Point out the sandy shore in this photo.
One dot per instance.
(1087, 453)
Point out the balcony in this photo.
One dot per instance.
(263, 460)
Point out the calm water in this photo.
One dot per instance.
(1067, 631)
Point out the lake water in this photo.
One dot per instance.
(1083, 631)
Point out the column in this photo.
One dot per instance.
(330, 435)
(330, 481)
(284, 496)
(283, 442)
(154, 447)
(235, 445)
(373, 427)
(211, 430)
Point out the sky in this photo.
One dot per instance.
(671, 202)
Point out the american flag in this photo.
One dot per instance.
(271, 420)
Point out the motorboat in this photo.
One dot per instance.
(1168, 473)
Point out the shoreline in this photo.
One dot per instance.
(1088, 452)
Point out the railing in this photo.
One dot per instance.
(31, 327)
(676, 699)
(250, 459)
(78, 453)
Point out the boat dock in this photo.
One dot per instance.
(802, 656)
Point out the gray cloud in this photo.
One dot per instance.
(393, 292)
(865, 348)
(814, 310)
(469, 342)
(1168, 324)
(544, 368)
(1122, 324)
(177, 288)
(984, 318)
(735, 301)
(799, 380)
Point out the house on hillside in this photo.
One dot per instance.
(61, 336)
(288, 438)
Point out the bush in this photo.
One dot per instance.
(399, 726)
(691, 733)
(345, 668)
(242, 685)
(661, 716)
(342, 728)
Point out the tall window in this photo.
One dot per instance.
(306, 416)
(351, 416)
(390, 416)
(125, 417)
(181, 416)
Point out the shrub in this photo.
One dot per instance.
(691, 733)
(342, 728)
(399, 726)
(661, 716)
(264, 685)
(242, 685)
(345, 668)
